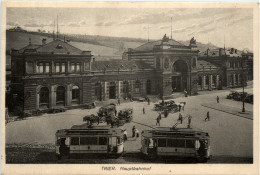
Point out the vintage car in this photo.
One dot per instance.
(249, 98)
(168, 105)
(232, 95)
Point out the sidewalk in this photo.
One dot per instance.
(229, 109)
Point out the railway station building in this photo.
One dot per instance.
(56, 74)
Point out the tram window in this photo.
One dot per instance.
(161, 142)
(190, 144)
(88, 141)
(102, 141)
(176, 143)
(74, 141)
(119, 140)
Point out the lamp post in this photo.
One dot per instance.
(243, 98)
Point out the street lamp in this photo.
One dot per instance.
(243, 98)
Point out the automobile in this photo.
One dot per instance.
(168, 105)
(240, 96)
(249, 98)
(232, 95)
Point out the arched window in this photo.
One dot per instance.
(158, 64)
(137, 86)
(207, 80)
(214, 80)
(125, 87)
(44, 97)
(194, 64)
(166, 63)
(231, 80)
(75, 94)
(200, 81)
(60, 96)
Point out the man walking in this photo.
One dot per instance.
(180, 117)
(217, 99)
(160, 116)
(179, 107)
(133, 131)
(143, 110)
(115, 112)
(207, 118)
(158, 121)
(148, 100)
(189, 121)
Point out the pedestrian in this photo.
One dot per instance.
(133, 131)
(180, 116)
(125, 135)
(148, 100)
(118, 101)
(189, 121)
(143, 110)
(165, 113)
(115, 112)
(136, 133)
(207, 118)
(160, 116)
(181, 119)
(179, 107)
(158, 121)
(217, 99)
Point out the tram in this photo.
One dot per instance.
(83, 139)
(176, 143)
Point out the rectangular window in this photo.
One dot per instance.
(29, 67)
(62, 67)
(102, 141)
(161, 142)
(74, 140)
(86, 66)
(176, 143)
(40, 68)
(47, 67)
(72, 67)
(190, 144)
(57, 67)
(88, 141)
(78, 67)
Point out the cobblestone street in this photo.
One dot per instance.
(231, 135)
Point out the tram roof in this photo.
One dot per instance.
(168, 131)
(84, 129)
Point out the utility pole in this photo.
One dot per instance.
(57, 28)
(171, 27)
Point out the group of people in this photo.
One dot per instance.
(135, 133)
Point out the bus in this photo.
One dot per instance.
(83, 139)
(175, 143)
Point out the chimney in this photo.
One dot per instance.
(43, 41)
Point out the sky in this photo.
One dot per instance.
(207, 25)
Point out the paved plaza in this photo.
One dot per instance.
(231, 135)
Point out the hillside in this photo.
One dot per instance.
(103, 47)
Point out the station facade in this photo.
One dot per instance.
(56, 74)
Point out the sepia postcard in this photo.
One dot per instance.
(129, 88)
